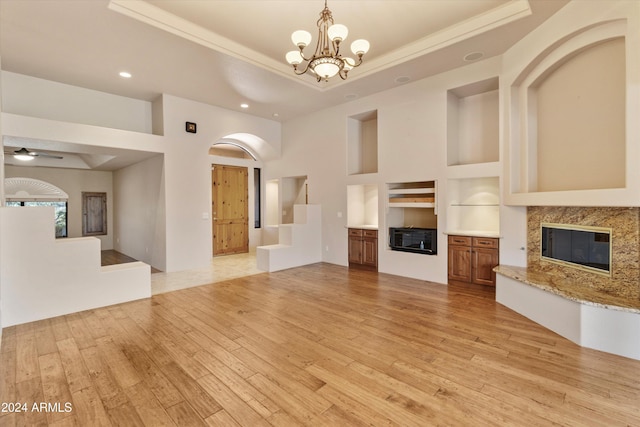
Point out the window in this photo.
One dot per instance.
(60, 210)
(256, 198)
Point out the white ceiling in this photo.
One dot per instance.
(228, 52)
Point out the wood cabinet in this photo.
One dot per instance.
(363, 248)
(472, 259)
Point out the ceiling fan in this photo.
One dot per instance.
(26, 155)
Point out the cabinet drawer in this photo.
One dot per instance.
(370, 233)
(460, 240)
(356, 232)
(485, 242)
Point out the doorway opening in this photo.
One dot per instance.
(230, 209)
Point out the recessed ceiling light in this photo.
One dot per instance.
(473, 56)
(402, 79)
(125, 74)
(276, 115)
(350, 96)
(244, 105)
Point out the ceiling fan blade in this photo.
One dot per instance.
(24, 152)
(47, 155)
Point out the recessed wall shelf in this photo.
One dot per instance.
(362, 143)
(413, 195)
(473, 123)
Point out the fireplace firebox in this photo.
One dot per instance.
(583, 247)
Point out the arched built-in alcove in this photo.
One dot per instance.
(569, 109)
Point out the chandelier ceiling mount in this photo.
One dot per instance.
(326, 61)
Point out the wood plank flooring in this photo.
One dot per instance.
(319, 345)
(112, 257)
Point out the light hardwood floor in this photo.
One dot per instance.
(316, 345)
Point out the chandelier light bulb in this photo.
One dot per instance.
(326, 70)
(360, 47)
(301, 38)
(338, 32)
(294, 57)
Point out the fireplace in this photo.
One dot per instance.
(594, 310)
(576, 246)
(622, 226)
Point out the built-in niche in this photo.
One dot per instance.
(568, 115)
(472, 123)
(362, 143)
(362, 206)
(272, 203)
(412, 204)
(294, 191)
(473, 206)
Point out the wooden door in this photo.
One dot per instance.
(230, 194)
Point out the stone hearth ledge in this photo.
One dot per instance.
(574, 289)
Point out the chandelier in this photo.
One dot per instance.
(327, 61)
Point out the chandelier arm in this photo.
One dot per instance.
(298, 72)
(308, 59)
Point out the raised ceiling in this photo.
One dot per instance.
(228, 52)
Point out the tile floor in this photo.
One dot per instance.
(221, 268)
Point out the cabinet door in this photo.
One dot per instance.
(370, 252)
(355, 250)
(460, 263)
(484, 260)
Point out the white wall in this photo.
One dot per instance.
(44, 277)
(74, 182)
(139, 211)
(188, 173)
(412, 140)
(30, 96)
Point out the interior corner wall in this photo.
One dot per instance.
(74, 182)
(139, 212)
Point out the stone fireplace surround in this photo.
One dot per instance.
(591, 309)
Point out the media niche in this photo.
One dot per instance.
(587, 248)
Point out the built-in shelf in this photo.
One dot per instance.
(473, 205)
(412, 204)
(362, 143)
(362, 206)
(412, 195)
(473, 123)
